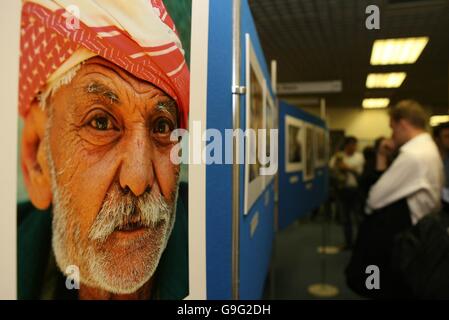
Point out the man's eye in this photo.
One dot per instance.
(162, 126)
(101, 123)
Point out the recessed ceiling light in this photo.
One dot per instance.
(436, 120)
(375, 103)
(385, 80)
(397, 51)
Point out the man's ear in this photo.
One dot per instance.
(33, 158)
(404, 124)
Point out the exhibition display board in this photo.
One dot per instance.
(256, 202)
(303, 171)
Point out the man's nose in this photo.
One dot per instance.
(136, 171)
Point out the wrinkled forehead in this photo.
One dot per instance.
(101, 78)
(108, 69)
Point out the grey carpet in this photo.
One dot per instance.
(296, 263)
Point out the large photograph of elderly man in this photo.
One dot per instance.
(102, 211)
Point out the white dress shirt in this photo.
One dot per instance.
(354, 162)
(416, 174)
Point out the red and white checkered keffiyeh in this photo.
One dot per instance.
(138, 36)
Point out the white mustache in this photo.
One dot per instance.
(120, 210)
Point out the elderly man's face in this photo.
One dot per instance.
(114, 186)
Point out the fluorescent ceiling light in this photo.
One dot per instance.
(436, 120)
(375, 103)
(385, 80)
(397, 51)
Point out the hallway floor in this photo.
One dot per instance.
(297, 264)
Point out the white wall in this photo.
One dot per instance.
(366, 125)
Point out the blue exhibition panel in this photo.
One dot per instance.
(219, 176)
(255, 249)
(297, 197)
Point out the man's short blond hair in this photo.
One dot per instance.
(411, 111)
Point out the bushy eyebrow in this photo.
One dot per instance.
(168, 106)
(100, 89)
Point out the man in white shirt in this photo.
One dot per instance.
(349, 162)
(441, 136)
(405, 192)
(417, 173)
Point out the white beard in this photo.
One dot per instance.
(97, 266)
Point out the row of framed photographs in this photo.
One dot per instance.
(306, 147)
(261, 113)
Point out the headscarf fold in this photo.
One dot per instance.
(138, 36)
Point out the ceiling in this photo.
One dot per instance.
(319, 40)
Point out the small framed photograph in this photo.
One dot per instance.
(309, 164)
(270, 123)
(320, 147)
(255, 106)
(294, 144)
